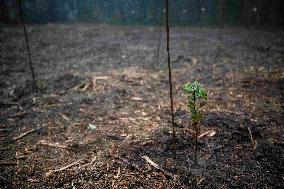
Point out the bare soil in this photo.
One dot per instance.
(104, 103)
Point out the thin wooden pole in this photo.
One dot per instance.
(28, 47)
(170, 76)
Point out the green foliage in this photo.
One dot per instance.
(41, 84)
(196, 100)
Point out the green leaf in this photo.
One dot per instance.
(197, 91)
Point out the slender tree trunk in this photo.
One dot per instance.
(170, 76)
(28, 47)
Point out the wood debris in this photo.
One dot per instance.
(277, 142)
(64, 117)
(200, 180)
(56, 145)
(136, 98)
(207, 134)
(90, 163)
(50, 172)
(20, 114)
(157, 166)
(24, 134)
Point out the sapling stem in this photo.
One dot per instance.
(195, 125)
(197, 92)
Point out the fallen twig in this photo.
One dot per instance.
(50, 172)
(200, 180)
(136, 98)
(276, 142)
(128, 163)
(24, 134)
(83, 86)
(64, 116)
(20, 114)
(86, 86)
(157, 166)
(56, 145)
(87, 164)
(207, 134)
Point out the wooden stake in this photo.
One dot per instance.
(170, 76)
(28, 47)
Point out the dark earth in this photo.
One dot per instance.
(103, 104)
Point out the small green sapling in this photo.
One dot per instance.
(197, 98)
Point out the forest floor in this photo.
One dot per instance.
(103, 107)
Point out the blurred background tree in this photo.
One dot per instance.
(145, 12)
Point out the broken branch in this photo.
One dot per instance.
(50, 172)
(207, 134)
(24, 134)
(157, 166)
(56, 145)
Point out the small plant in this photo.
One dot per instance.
(197, 98)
